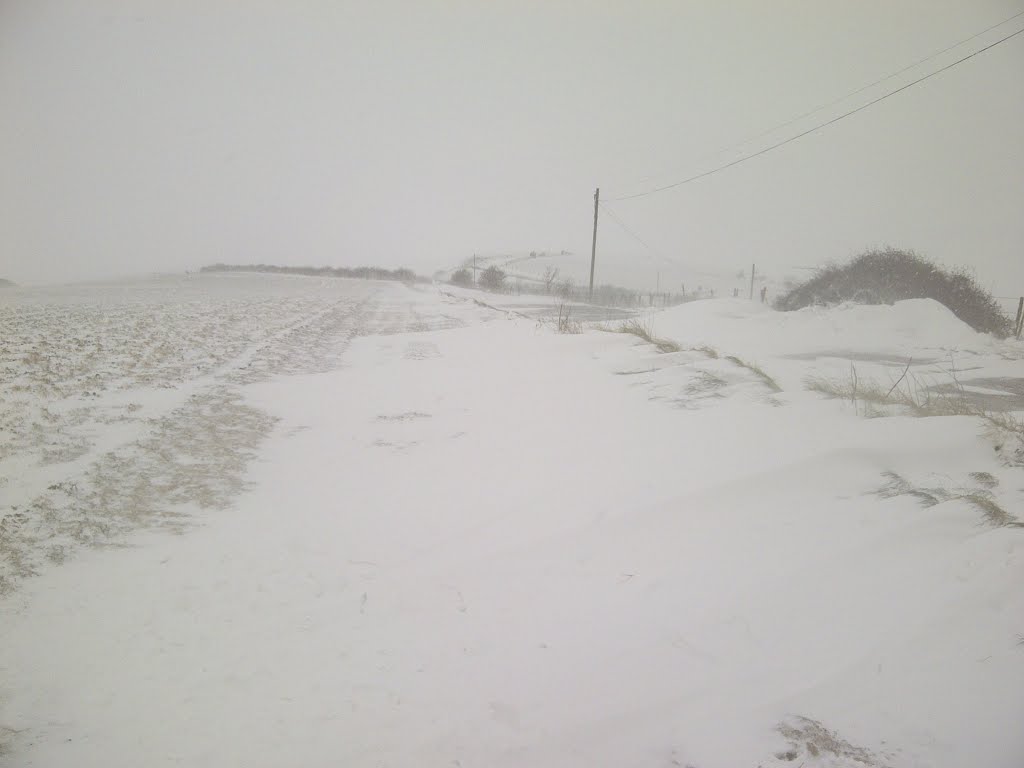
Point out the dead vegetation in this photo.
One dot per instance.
(642, 330)
(810, 740)
(916, 394)
(1006, 432)
(403, 416)
(920, 396)
(7, 736)
(767, 380)
(981, 496)
(195, 457)
(65, 362)
(565, 322)
(705, 384)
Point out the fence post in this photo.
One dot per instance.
(1020, 317)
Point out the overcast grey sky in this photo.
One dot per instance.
(154, 135)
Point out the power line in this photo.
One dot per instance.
(819, 126)
(863, 88)
(633, 234)
(881, 80)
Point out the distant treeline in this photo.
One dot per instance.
(363, 273)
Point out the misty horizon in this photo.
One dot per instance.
(157, 138)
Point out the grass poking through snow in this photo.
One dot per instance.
(909, 394)
(981, 498)
(757, 370)
(1007, 433)
(566, 323)
(642, 330)
(917, 397)
(810, 740)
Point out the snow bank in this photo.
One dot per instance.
(901, 329)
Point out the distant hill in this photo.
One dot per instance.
(7, 283)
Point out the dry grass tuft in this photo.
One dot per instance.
(916, 396)
(757, 370)
(922, 398)
(994, 514)
(565, 322)
(1007, 433)
(985, 479)
(810, 739)
(642, 330)
(707, 350)
(982, 499)
(705, 384)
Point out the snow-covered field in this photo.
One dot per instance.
(416, 531)
(121, 402)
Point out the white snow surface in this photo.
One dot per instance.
(458, 538)
(914, 323)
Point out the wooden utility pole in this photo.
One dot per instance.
(593, 244)
(753, 269)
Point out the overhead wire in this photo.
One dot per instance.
(819, 126)
(625, 228)
(879, 81)
(860, 90)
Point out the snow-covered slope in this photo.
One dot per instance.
(878, 341)
(907, 326)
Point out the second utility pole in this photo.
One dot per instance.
(593, 245)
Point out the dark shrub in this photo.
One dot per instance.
(492, 279)
(890, 275)
(462, 277)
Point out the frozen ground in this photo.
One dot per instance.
(418, 531)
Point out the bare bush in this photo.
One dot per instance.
(566, 323)
(566, 288)
(549, 279)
